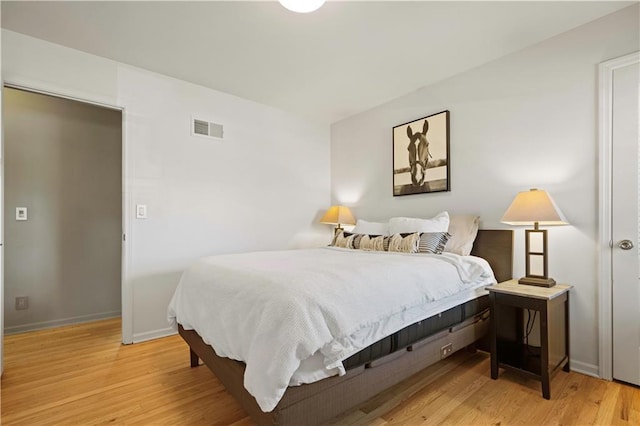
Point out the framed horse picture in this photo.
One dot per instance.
(421, 155)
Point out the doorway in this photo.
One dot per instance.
(620, 220)
(62, 211)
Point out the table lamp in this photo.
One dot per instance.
(535, 207)
(338, 215)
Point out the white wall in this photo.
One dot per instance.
(263, 187)
(526, 120)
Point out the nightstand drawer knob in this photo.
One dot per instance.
(625, 244)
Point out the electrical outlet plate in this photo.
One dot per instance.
(22, 303)
(21, 213)
(446, 350)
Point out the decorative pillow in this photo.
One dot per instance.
(463, 229)
(372, 242)
(344, 240)
(371, 228)
(438, 223)
(404, 244)
(433, 242)
(358, 238)
(335, 238)
(342, 234)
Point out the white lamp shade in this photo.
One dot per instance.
(338, 215)
(302, 6)
(533, 206)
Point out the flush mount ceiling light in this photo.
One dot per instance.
(302, 6)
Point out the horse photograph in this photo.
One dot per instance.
(421, 155)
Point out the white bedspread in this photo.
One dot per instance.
(274, 310)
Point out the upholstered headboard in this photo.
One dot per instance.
(496, 246)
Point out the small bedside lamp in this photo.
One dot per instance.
(535, 208)
(337, 215)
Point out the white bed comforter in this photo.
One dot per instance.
(275, 310)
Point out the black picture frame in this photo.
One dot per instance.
(421, 155)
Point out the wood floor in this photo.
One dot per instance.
(82, 375)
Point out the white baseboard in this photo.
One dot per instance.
(585, 368)
(60, 322)
(154, 334)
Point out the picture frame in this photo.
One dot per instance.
(421, 155)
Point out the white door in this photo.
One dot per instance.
(1, 242)
(625, 224)
(1, 245)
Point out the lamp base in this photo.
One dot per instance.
(539, 282)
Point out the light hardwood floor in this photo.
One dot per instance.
(82, 375)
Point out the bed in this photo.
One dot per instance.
(366, 371)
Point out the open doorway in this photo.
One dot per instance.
(62, 211)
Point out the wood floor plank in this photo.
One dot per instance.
(82, 375)
(606, 410)
(592, 395)
(427, 404)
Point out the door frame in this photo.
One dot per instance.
(605, 225)
(125, 284)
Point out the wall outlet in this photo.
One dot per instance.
(21, 213)
(22, 303)
(446, 350)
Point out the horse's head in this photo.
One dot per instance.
(422, 151)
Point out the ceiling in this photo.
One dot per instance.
(341, 60)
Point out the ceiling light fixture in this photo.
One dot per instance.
(302, 6)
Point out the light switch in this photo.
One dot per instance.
(141, 211)
(21, 213)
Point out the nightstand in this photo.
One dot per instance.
(509, 302)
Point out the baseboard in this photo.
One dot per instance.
(60, 322)
(155, 334)
(585, 368)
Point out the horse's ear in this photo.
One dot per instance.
(409, 132)
(425, 127)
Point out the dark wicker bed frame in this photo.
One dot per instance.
(321, 401)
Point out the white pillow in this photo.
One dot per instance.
(463, 229)
(403, 225)
(371, 228)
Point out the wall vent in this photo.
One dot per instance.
(206, 129)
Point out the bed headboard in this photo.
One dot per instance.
(496, 246)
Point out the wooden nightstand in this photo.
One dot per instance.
(509, 349)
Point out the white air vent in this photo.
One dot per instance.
(206, 129)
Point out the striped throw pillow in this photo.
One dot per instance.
(433, 242)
